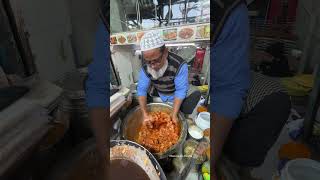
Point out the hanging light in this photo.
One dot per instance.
(180, 44)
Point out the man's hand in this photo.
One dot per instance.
(176, 107)
(147, 119)
(222, 127)
(175, 118)
(100, 124)
(143, 105)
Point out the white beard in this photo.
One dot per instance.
(158, 74)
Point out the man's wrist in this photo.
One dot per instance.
(144, 112)
(175, 111)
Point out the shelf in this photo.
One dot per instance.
(178, 34)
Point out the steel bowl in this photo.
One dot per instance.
(133, 121)
(139, 155)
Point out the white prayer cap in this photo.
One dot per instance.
(151, 40)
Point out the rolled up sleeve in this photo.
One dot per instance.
(230, 72)
(97, 89)
(143, 84)
(181, 82)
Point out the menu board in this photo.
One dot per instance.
(169, 34)
(132, 38)
(203, 32)
(121, 39)
(186, 33)
(139, 35)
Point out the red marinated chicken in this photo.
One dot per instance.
(159, 134)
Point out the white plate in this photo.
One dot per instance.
(195, 132)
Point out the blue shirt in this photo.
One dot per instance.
(230, 72)
(97, 84)
(180, 81)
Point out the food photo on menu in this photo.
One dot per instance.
(186, 33)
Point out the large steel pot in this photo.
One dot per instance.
(84, 162)
(133, 121)
(124, 149)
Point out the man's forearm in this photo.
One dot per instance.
(99, 119)
(176, 106)
(221, 128)
(143, 104)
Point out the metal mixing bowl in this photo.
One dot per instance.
(132, 123)
(139, 155)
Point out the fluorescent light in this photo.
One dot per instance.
(181, 44)
(138, 51)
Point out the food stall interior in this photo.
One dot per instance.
(184, 26)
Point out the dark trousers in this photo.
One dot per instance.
(190, 102)
(253, 134)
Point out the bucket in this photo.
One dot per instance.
(301, 169)
(203, 120)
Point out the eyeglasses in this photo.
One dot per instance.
(155, 61)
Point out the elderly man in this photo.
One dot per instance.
(167, 73)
